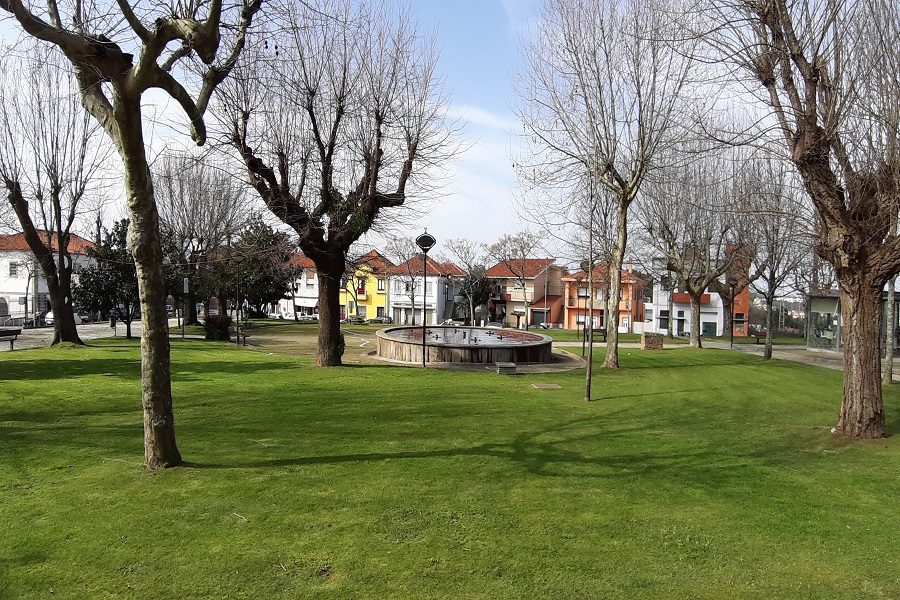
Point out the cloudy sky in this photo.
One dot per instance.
(479, 55)
(478, 43)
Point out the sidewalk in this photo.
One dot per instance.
(42, 336)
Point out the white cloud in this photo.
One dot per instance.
(480, 116)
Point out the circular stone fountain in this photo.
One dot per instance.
(450, 344)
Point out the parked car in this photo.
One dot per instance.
(308, 318)
(495, 325)
(386, 320)
(274, 314)
(48, 318)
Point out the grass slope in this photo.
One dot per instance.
(695, 474)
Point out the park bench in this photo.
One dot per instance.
(10, 335)
(760, 337)
(239, 337)
(599, 334)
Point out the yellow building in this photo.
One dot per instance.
(365, 291)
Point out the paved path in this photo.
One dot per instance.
(42, 336)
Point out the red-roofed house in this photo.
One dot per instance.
(631, 300)
(406, 293)
(23, 290)
(526, 291)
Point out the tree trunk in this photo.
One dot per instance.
(160, 449)
(770, 318)
(727, 307)
(862, 409)
(614, 289)
(190, 312)
(60, 289)
(671, 329)
(695, 322)
(890, 327)
(589, 371)
(331, 340)
(58, 277)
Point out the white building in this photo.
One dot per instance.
(666, 308)
(23, 288)
(441, 291)
(303, 297)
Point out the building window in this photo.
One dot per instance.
(361, 285)
(664, 319)
(579, 319)
(599, 294)
(648, 315)
(13, 269)
(428, 287)
(379, 311)
(582, 292)
(381, 289)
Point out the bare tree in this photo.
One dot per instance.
(201, 207)
(781, 234)
(336, 128)
(689, 215)
(50, 156)
(603, 92)
(402, 252)
(514, 252)
(474, 287)
(828, 74)
(112, 82)
(890, 328)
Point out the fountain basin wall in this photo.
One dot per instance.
(449, 344)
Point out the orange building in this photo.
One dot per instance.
(576, 309)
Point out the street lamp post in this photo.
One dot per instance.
(732, 283)
(425, 242)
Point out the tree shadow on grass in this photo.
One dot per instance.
(54, 368)
(616, 448)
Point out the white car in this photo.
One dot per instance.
(48, 318)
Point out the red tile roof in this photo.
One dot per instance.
(301, 261)
(376, 261)
(414, 267)
(529, 268)
(16, 242)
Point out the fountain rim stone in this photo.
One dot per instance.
(540, 337)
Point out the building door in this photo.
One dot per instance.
(709, 329)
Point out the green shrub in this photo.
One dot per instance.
(217, 328)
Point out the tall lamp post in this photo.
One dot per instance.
(425, 242)
(732, 284)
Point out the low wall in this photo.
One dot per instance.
(651, 341)
(411, 351)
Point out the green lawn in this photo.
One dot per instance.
(694, 474)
